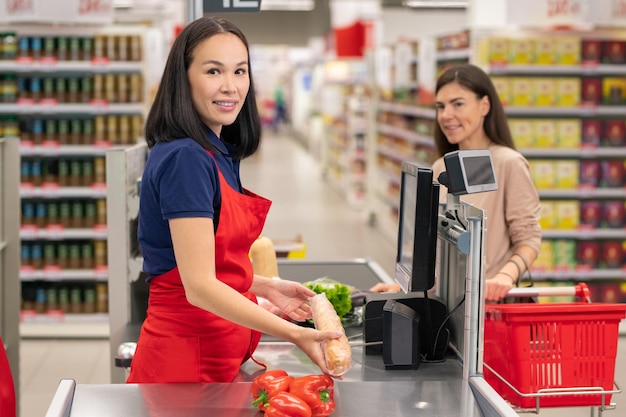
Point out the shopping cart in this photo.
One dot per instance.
(553, 354)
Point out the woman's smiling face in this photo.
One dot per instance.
(460, 115)
(219, 78)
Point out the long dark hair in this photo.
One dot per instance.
(476, 80)
(173, 116)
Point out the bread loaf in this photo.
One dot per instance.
(337, 352)
(263, 256)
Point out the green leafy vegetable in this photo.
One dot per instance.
(337, 293)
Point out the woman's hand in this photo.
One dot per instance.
(496, 288)
(290, 298)
(310, 341)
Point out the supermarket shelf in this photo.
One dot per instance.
(408, 110)
(407, 135)
(397, 156)
(83, 326)
(579, 274)
(391, 177)
(54, 149)
(582, 69)
(63, 192)
(584, 193)
(578, 153)
(70, 109)
(585, 234)
(580, 111)
(452, 54)
(69, 66)
(56, 274)
(54, 233)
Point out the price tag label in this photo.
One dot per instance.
(547, 13)
(52, 272)
(57, 11)
(29, 231)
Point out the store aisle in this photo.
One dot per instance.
(303, 204)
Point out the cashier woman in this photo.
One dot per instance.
(197, 222)
(470, 116)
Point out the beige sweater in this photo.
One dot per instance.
(512, 210)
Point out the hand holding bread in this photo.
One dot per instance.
(337, 352)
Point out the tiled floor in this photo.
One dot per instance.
(303, 204)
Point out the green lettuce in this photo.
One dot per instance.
(337, 293)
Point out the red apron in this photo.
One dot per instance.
(182, 343)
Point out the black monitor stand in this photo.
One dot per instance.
(433, 334)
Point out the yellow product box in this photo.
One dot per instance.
(568, 133)
(521, 51)
(544, 133)
(564, 251)
(545, 258)
(543, 173)
(544, 91)
(503, 88)
(568, 50)
(522, 132)
(547, 215)
(544, 50)
(614, 90)
(568, 91)
(522, 91)
(498, 50)
(567, 214)
(567, 172)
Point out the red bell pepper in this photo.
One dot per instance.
(285, 404)
(317, 391)
(267, 385)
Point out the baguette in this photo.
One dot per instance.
(337, 352)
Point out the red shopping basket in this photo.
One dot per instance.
(543, 350)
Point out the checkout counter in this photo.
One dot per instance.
(453, 386)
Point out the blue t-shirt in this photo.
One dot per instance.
(180, 179)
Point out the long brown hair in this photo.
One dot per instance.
(476, 80)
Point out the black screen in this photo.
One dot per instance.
(417, 228)
(475, 171)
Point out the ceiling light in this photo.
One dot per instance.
(303, 5)
(435, 4)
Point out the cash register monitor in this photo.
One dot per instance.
(417, 228)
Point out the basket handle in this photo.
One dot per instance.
(580, 290)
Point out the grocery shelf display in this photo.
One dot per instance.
(404, 120)
(345, 102)
(565, 96)
(68, 97)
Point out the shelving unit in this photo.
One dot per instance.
(68, 98)
(566, 117)
(404, 119)
(345, 103)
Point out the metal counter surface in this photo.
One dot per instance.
(434, 389)
(373, 398)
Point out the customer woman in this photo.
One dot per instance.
(470, 116)
(197, 222)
